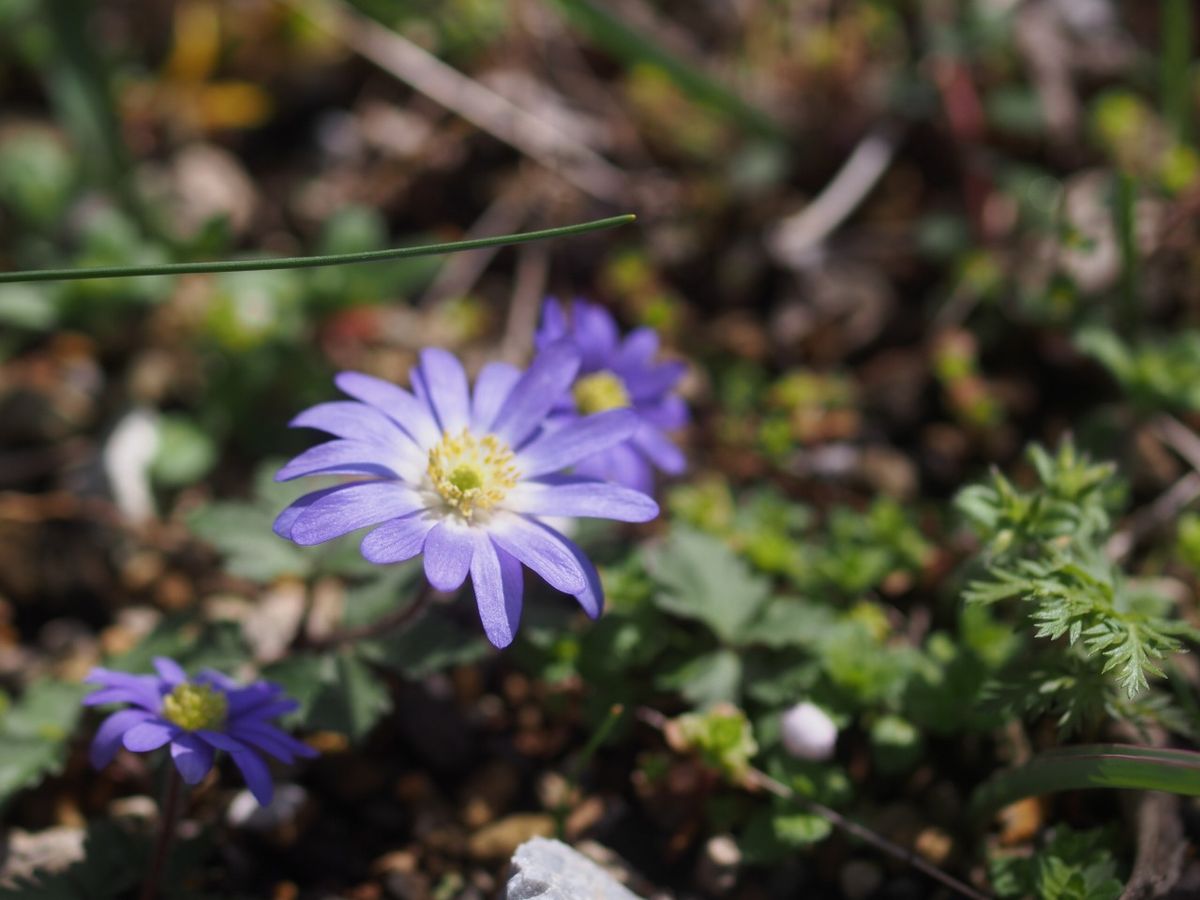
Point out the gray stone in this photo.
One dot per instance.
(550, 870)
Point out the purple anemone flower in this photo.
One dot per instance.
(619, 374)
(196, 717)
(465, 478)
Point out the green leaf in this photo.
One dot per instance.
(242, 533)
(723, 736)
(699, 577)
(1091, 766)
(336, 691)
(34, 733)
(790, 622)
(186, 452)
(799, 829)
(431, 644)
(1162, 373)
(1073, 865)
(776, 832)
(707, 679)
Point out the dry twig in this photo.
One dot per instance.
(794, 242)
(760, 780)
(497, 115)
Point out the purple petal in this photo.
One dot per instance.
(109, 735)
(399, 405)
(228, 685)
(342, 457)
(108, 678)
(397, 540)
(492, 387)
(149, 735)
(595, 333)
(169, 671)
(286, 520)
(219, 740)
(669, 413)
(263, 711)
(148, 702)
(444, 378)
(579, 439)
(193, 758)
(498, 589)
(258, 778)
(352, 421)
(583, 497)
(591, 598)
(622, 465)
(120, 687)
(637, 350)
(357, 506)
(554, 324)
(652, 384)
(270, 739)
(540, 548)
(660, 449)
(448, 551)
(542, 386)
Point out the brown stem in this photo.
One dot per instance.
(393, 621)
(166, 834)
(756, 778)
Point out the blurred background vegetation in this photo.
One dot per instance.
(904, 244)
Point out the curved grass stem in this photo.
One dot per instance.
(311, 262)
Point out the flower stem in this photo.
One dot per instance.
(385, 624)
(166, 834)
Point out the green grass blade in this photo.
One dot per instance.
(1176, 66)
(1120, 766)
(80, 88)
(1124, 202)
(632, 46)
(310, 262)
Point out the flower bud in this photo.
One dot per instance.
(808, 732)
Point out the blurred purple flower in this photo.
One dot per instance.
(619, 374)
(465, 478)
(196, 718)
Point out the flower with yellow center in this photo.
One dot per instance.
(472, 473)
(195, 707)
(468, 477)
(599, 392)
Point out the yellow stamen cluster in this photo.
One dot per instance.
(599, 392)
(472, 473)
(195, 706)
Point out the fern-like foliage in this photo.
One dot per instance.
(1071, 502)
(1098, 636)
(1073, 865)
(1080, 595)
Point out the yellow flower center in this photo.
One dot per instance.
(195, 706)
(599, 392)
(471, 473)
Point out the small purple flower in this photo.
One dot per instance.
(465, 478)
(620, 374)
(196, 718)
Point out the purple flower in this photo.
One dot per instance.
(620, 374)
(196, 718)
(465, 478)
